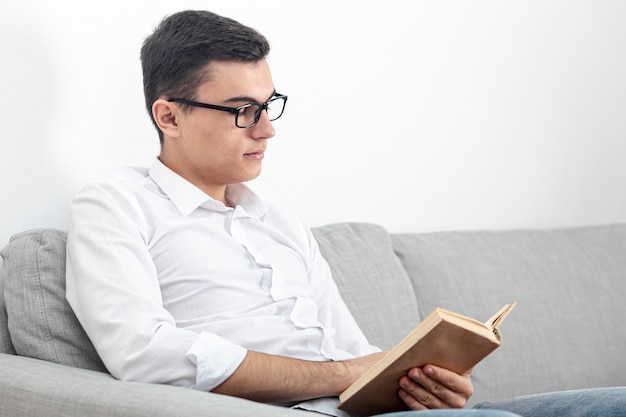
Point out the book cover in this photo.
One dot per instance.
(443, 338)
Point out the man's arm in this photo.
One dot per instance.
(269, 378)
(113, 288)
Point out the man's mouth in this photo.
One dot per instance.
(258, 154)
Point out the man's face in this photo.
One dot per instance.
(208, 149)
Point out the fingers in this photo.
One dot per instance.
(434, 387)
(459, 384)
(416, 397)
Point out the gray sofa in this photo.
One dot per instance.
(566, 332)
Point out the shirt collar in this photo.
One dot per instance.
(187, 197)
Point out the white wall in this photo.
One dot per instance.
(425, 115)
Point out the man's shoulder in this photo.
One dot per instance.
(125, 190)
(120, 181)
(119, 177)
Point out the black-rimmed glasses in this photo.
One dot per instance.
(247, 115)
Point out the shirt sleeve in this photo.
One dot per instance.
(113, 288)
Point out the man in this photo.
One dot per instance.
(181, 275)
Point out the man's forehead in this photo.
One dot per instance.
(238, 81)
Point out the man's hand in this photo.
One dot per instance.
(434, 387)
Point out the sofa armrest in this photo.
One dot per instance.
(32, 387)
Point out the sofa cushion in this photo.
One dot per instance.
(41, 322)
(370, 279)
(5, 340)
(567, 329)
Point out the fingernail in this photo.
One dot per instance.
(429, 371)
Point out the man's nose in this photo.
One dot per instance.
(264, 129)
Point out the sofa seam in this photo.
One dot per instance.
(43, 315)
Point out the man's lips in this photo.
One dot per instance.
(258, 154)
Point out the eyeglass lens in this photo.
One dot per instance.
(250, 115)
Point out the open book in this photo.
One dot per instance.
(444, 338)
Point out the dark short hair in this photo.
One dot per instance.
(175, 56)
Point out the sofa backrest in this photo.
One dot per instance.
(371, 280)
(41, 323)
(567, 330)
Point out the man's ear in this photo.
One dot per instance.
(166, 116)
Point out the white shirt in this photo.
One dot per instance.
(174, 287)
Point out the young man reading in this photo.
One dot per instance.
(181, 275)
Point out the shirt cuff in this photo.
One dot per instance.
(215, 358)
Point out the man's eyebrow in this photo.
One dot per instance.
(246, 99)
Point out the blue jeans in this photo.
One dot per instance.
(450, 413)
(595, 402)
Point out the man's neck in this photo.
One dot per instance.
(216, 192)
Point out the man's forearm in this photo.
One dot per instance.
(268, 378)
